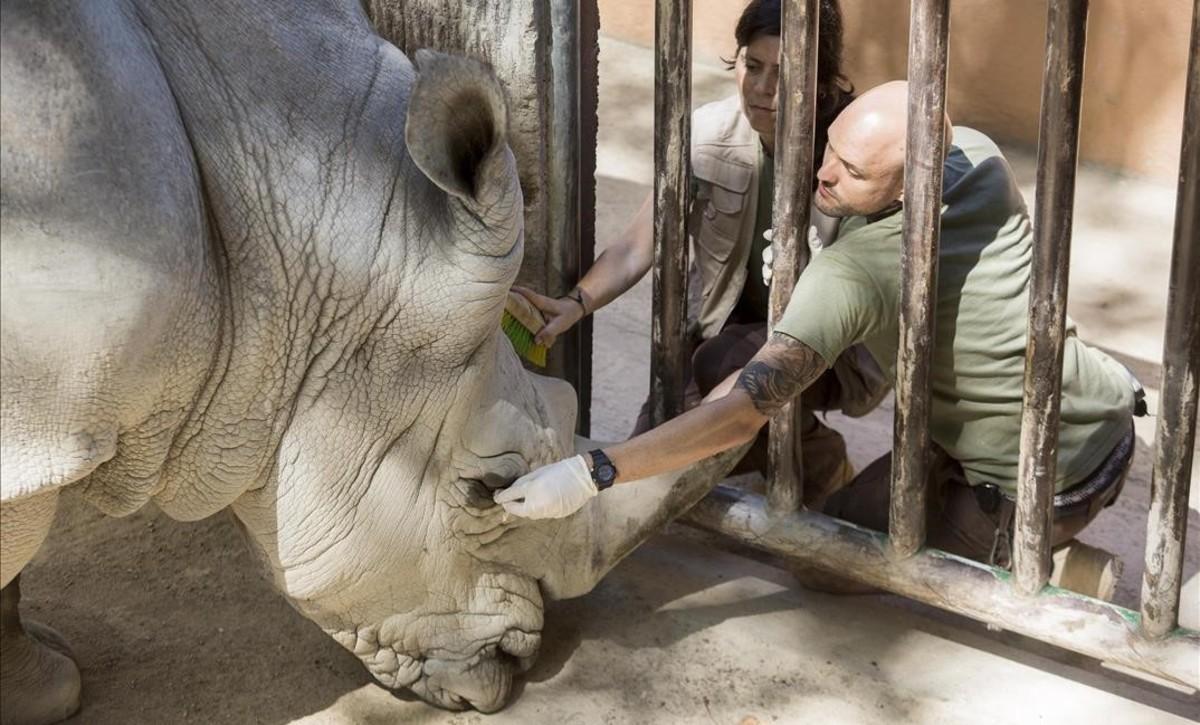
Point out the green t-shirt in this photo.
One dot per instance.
(851, 293)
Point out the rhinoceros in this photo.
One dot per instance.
(254, 258)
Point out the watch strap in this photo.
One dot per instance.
(604, 472)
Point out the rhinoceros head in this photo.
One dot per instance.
(380, 523)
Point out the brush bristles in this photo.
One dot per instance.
(522, 340)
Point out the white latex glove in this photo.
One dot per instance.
(815, 245)
(768, 253)
(551, 492)
(768, 256)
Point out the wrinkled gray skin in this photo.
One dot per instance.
(253, 258)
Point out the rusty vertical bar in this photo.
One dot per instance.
(1058, 147)
(570, 158)
(672, 171)
(797, 110)
(1175, 435)
(929, 26)
(588, 66)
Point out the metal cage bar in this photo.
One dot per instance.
(672, 172)
(570, 160)
(1058, 147)
(1175, 436)
(1150, 643)
(794, 158)
(930, 24)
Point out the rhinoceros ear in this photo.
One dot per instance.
(457, 121)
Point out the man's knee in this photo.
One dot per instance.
(866, 499)
(719, 357)
(707, 365)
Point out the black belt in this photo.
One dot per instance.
(1083, 498)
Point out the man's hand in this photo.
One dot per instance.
(561, 314)
(551, 492)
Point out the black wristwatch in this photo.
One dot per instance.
(604, 473)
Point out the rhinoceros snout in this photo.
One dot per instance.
(463, 649)
(483, 682)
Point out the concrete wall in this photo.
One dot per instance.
(1133, 78)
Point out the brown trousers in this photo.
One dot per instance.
(963, 519)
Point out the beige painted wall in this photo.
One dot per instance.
(1133, 78)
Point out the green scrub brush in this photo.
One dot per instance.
(521, 321)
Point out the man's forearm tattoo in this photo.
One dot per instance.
(780, 371)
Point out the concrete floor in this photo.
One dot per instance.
(678, 633)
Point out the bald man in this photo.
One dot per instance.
(850, 294)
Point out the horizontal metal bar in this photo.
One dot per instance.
(1058, 147)
(1175, 436)
(1065, 619)
(672, 172)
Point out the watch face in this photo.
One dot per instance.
(604, 473)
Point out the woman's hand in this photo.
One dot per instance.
(561, 314)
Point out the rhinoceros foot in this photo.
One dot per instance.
(38, 674)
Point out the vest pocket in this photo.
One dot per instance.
(721, 223)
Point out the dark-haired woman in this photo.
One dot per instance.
(733, 146)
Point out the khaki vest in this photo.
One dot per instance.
(725, 170)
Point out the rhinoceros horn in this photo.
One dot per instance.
(602, 533)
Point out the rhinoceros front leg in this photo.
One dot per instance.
(38, 674)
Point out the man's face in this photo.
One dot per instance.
(757, 72)
(862, 173)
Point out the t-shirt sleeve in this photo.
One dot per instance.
(835, 304)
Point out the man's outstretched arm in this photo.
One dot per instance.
(777, 374)
(780, 371)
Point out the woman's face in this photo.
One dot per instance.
(757, 73)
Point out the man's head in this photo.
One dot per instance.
(863, 169)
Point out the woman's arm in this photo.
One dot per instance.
(619, 267)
